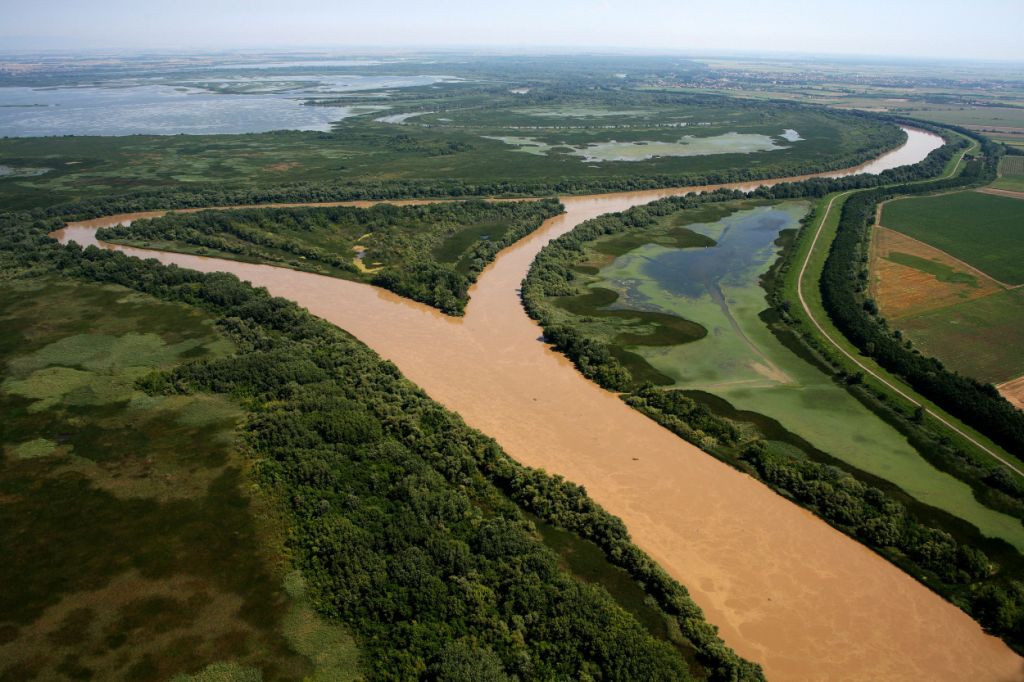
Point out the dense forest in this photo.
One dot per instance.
(405, 522)
(992, 593)
(430, 254)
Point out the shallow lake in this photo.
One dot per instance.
(166, 109)
(687, 145)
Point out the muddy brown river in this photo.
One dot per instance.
(784, 588)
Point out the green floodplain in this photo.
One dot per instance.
(154, 564)
(457, 137)
(738, 358)
(141, 552)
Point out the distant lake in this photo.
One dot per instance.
(167, 109)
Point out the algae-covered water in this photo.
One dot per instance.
(741, 361)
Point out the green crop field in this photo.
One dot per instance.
(140, 553)
(972, 117)
(982, 338)
(983, 230)
(458, 135)
(1011, 174)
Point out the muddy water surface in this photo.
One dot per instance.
(784, 588)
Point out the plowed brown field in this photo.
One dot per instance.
(902, 290)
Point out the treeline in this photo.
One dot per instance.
(843, 288)
(402, 238)
(868, 514)
(400, 515)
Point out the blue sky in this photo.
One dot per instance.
(985, 29)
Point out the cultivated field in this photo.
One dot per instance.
(954, 296)
(982, 338)
(910, 277)
(1011, 174)
(973, 117)
(985, 231)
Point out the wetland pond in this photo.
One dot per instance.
(741, 361)
(643, 150)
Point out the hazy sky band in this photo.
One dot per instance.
(988, 29)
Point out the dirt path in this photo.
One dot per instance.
(1001, 192)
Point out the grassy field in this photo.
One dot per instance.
(985, 231)
(982, 338)
(973, 117)
(141, 555)
(1011, 174)
(741, 360)
(454, 138)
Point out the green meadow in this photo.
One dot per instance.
(981, 338)
(983, 230)
(142, 552)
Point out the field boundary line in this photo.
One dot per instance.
(978, 271)
(810, 314)
(995, 191)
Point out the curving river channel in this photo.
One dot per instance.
(784, 588)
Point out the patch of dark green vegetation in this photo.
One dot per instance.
(676, 238)
(942, 272)
(587, 562)
(137, 553)
(656, 328)
(403, 520)
(428, 253)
